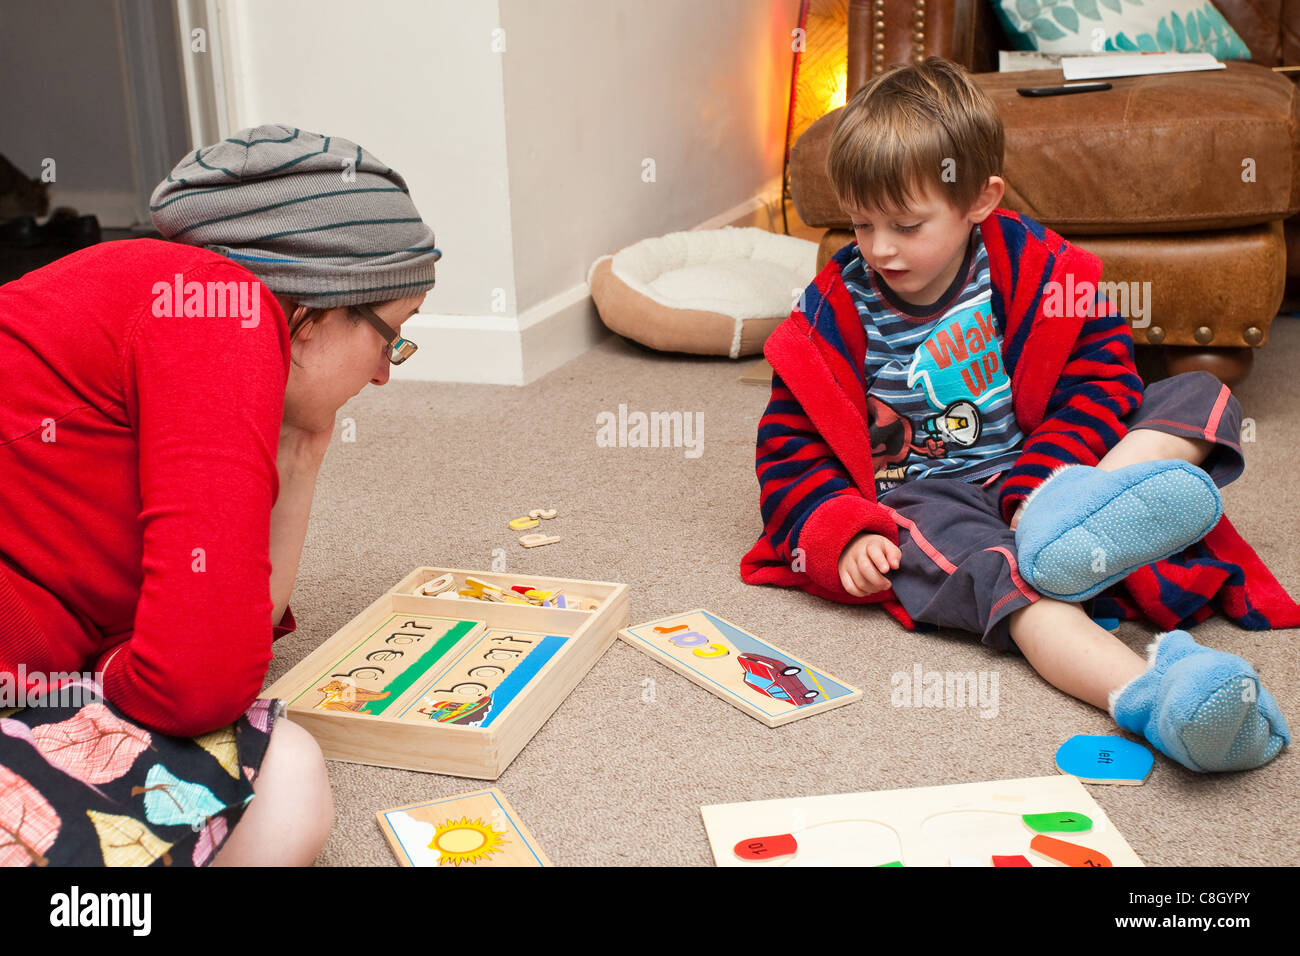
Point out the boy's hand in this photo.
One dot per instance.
(865, 562)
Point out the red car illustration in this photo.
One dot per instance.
(776, 679)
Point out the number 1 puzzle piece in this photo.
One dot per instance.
(537, 539)
(1060, 822)
(766, 848)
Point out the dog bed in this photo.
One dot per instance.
(707, 292)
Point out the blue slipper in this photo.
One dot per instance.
(1085, 528)
(1202, 707)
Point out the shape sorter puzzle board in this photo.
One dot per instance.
(761, 679)
(478, 829)
(456, 687)
(1035, 821)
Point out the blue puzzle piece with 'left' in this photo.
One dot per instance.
(1105, 760)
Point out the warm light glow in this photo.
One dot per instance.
(837, 84)
(822, 82)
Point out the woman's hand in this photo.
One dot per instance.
(298, 461)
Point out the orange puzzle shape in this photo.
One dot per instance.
(1071, 854)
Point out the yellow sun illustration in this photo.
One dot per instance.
(465, 841)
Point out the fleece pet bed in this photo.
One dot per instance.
(707, 292)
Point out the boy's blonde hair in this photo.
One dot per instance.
(896, 132)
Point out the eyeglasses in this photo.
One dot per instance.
(398, 349)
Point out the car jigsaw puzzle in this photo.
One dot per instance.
(761, 679)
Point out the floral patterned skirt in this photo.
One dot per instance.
(86, 786)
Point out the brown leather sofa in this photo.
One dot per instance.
(1151, 175)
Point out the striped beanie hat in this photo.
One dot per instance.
(316, 218)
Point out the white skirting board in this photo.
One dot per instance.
(498, 349)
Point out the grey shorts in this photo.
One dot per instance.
(958, 567)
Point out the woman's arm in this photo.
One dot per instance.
(298, 462)
(205, 398)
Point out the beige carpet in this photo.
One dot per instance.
(437, 470)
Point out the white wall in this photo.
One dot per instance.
(595, 87)
(527, 162)
(415, 83)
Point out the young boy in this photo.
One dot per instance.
(951, 436)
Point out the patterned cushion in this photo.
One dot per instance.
(1097, 26)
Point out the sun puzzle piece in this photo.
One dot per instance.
(478, 829)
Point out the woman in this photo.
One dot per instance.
(164, 413)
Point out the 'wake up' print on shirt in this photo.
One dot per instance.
(938, 397)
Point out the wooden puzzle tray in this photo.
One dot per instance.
(446, 685)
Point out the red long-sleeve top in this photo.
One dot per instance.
(137, 476)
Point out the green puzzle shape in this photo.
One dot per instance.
(1060, 822)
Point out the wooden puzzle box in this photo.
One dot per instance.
(446, 684)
